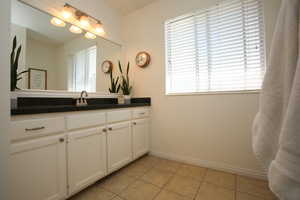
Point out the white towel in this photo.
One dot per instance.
(276, 130)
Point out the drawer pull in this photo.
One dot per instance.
(134, 123)
(61, 139)
(35, 129)
(142, 113)
(110, 128)
(104, 130)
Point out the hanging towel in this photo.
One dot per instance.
(276, 129)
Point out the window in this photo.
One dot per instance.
(84, 70)
(217, 49)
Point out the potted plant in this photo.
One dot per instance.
(125, 84)
(14, 63)
(114, 84)
(14, 75)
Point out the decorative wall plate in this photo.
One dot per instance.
(142, 59)
(107, 66)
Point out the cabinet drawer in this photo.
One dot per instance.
(36, 127)
(120, 115)
(85, 120)
(141, 113)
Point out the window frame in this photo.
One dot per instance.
(229, 92)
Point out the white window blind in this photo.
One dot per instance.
(217, 49)
(84, 70)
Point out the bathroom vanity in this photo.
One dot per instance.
(55, 155)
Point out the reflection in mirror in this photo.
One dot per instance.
(57, 59)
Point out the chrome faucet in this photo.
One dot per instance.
(82, 100)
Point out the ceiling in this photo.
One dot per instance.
(127, 6)
(38, 25)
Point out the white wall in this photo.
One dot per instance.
(211, 130)
(96, 8)
(43, 56)
(4, 97)
(106, 50)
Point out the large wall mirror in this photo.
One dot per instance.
(55, 58)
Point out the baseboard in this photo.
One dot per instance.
(213, 165)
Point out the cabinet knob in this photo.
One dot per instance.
(110, 128)
(134, 123)
(61, 139)
(104, 130)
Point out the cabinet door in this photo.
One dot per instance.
(140, 137)
(86, 158)
(118, 145)
(38, 169)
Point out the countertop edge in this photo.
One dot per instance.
(58, 109)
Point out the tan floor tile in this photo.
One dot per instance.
(117, 183)
(167, 195)
(157, 177)
(219, 178)
(212, 192)
(183, 185)
(244, 196)
(135, 170)
(255, 187)
(168, 165)
(140, 191)
(117, 198)
(192, 171)
(94, 193)
(149, 160)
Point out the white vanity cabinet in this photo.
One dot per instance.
(140, 137)
(54, 156)
(119, 151)
(86, 157)
(38, 169)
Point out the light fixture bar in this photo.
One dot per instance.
(80, 13)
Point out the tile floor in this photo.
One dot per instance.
(153, 178)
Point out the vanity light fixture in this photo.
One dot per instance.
(75, 29)
(84, 21)
(99, 28)
(67, 12)
(58, 22)
(89, 35)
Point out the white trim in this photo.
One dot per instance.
(215, 92)
(58, 94)
(213, 165)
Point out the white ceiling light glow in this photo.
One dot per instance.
(58, 22)
(75, 29)
(67, 12)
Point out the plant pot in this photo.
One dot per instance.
(121, 99)
(114, 95)
(127, 99)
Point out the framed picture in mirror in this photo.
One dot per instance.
(37, 79)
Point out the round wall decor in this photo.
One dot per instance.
(142, 59)
(107, 66)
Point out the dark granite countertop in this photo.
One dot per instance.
(52, 105)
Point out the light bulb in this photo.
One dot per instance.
(89, 35)
(84, 21)
(57, 22)
(67, 12)
(75, 29)
(99, 28)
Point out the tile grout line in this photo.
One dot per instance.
(201, 183)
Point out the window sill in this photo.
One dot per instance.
(215, 93)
